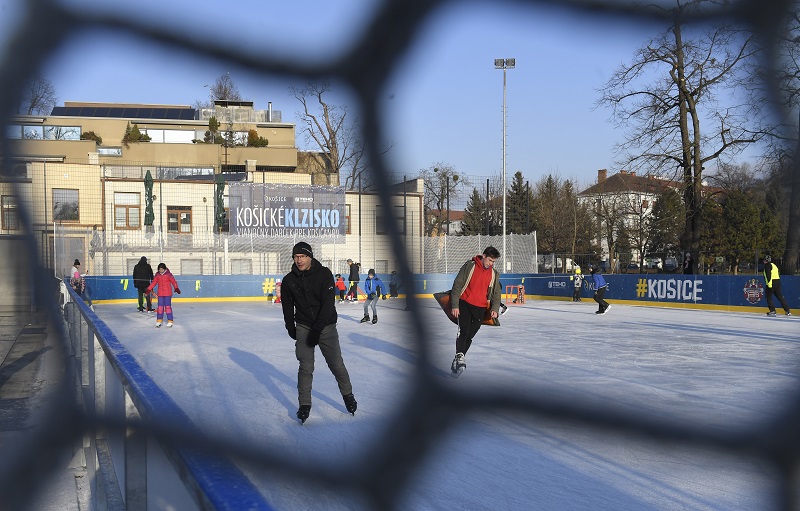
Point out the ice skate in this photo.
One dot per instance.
(350, 403)
(458, 365)
(365, 319)
(788, 313)
(169, 324)
(303, 412)
(771, 314)
(503, 308)
(374, 319)
(158, 325)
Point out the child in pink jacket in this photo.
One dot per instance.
(165, 282)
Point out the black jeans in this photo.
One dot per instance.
(776, 290)
(598, 297)
(470, 319)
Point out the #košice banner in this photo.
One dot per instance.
(281, 210)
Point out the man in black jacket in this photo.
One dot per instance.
(352, 293)
(142, 276)
(772, 277)
(309, 310)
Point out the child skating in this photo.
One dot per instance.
(165, 282)
(340, 286)
(374, 288)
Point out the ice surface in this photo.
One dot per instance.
(231, 367)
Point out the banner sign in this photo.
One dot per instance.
(279, 210)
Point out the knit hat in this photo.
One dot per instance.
(76, 263)
(767, 258)
(302, 248)
(371, 272)
(143, 259)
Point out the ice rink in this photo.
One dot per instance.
(231, 367)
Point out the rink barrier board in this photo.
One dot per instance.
(744, 293)
(213, 480)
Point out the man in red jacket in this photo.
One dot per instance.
(476, 288)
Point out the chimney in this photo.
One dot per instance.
(269, 111)
(601, 175)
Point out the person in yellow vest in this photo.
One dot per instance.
(773, 280)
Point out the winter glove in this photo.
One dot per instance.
(313, 338)
(371, 296)
(292, 331)
(177, 290)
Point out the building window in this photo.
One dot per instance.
(179, 219)
(380, 222)
(400, 217)
(65, 205)
(241, 267)
(109, 151)
(127, 210)
(62, 133)
(191, 266)
(10, 220)
(347, 218)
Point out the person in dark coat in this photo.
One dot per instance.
(600, 288)
(688, 264)
(308, 298)
(352, 294)
(142, 276)
(772, 278)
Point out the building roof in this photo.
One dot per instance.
(626, 182)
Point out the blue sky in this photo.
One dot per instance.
(444, 103)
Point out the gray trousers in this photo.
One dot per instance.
(329, 346)
(368, 302)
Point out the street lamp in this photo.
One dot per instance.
(504, 64)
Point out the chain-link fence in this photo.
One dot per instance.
(374, 58)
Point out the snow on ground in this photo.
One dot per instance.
(231, 367)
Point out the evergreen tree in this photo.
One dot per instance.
(666, 224)
(476, 215)
(740, 228)
(518, 203)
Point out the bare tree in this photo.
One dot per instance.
(780, 90)
(328, 128)
(666, 100)
(225, 88)
(442, 182)
(39, 97)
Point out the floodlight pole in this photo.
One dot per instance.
(504, 64)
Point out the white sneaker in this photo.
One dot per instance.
(169, 325)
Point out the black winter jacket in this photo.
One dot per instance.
(354, 272)
(308, 297)
(142, 274)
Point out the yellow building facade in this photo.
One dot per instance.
(83, 181)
